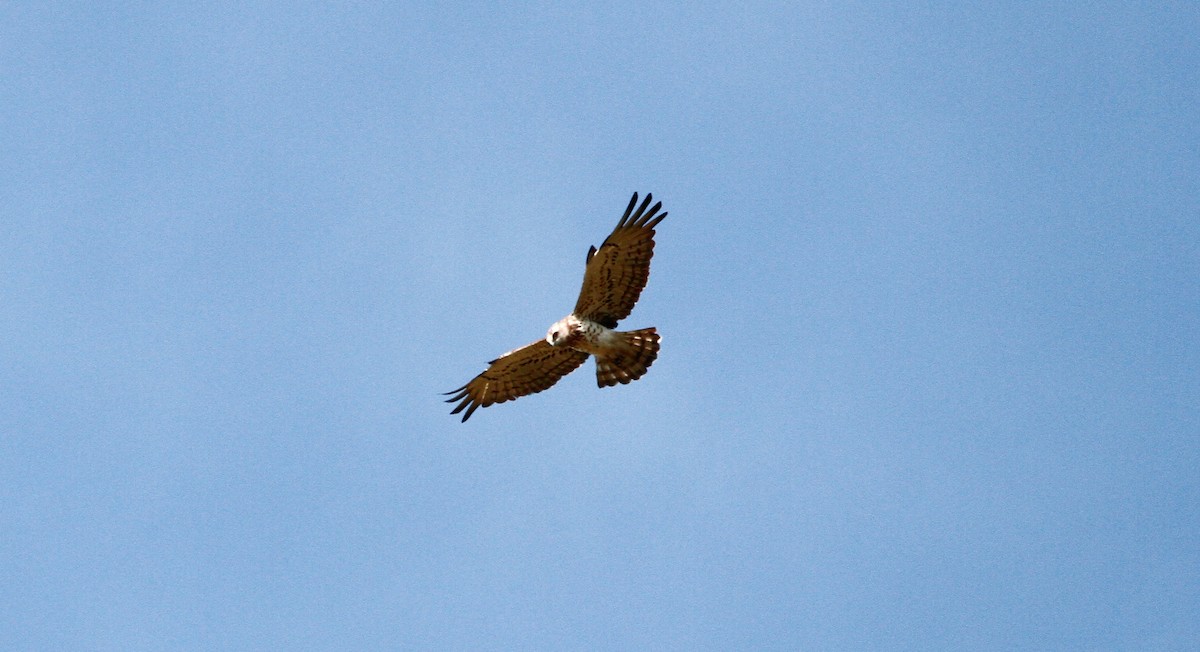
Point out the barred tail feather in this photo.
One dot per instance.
(630, 361)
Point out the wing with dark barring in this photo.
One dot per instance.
(617, 272)
(527, 370)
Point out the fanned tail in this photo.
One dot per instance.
(629, 361)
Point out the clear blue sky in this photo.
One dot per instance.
(929, 292)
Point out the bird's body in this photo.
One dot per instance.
(613, 280)
(582, 335)
(620, 357)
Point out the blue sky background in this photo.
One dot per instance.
(929, 291)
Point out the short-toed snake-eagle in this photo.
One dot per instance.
(613, 280)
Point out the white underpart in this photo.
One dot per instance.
(597, 339)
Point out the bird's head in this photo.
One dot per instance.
(558, 332)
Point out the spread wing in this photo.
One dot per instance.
(527, 370)
(617, 271)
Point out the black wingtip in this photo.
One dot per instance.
(457, 394)
(654, 222)
(628, 210)
(642, 209)
(466, 402)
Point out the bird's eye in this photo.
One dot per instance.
(554, 335)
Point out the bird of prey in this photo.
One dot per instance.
(613, 279)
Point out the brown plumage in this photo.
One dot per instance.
(629, 362)
(614, 278)
(617, 272)
(527, 370)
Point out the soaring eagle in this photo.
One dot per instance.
(613, 280)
